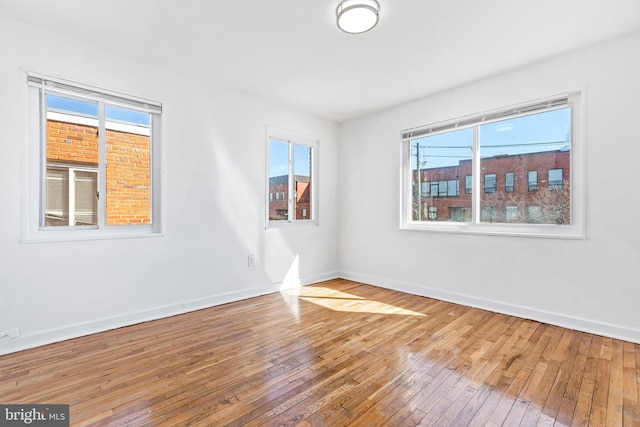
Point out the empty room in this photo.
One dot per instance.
(319, 213)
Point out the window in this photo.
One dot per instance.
(292, 172)
(490, 183)
(426, 189)
(433, 213)
(515, 143)
(96, 157)
(511, 213)
(488, 214)
(534, 214)
(532, 180)
(460, 214)
(509, 182)
(71, 196)
(554, 179)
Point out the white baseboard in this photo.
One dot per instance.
(28, 341)
(583, 325)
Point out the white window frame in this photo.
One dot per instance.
(575, 230)
(36, 88)
(293, 139)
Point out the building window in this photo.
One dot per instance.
(292, 171)
(514, 143)
(426, 189)
(511, 213)
(490, 183)
(509, 182)
(532, 180)
(534, 214)
(460, 214)
(97, 162)
(71, 196)
(433, 213)
(554, 179)
(488, 214)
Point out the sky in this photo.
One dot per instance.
(90, 109)
(279, 159)
(546, 131)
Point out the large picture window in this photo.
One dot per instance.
(503, 154)
(292, 177)
(96, 154)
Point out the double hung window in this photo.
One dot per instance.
(94, 157)
(503, 159)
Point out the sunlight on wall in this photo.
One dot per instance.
(342, 301)
(292, 278)
(290, 288)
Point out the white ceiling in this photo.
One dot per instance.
(291, 52)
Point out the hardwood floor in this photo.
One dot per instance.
(339, 353)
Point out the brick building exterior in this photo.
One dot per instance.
(278, 202)
(72, 155)
(531, 187)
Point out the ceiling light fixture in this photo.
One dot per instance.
(357, 16)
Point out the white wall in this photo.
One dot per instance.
(591, 284)
(214, 183)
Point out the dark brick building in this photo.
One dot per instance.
(531, 188)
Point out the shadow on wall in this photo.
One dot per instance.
(240, 195)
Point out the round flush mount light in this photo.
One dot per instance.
(357, 16)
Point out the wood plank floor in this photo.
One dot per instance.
(334, 354)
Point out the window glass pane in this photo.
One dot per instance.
(71, 142)
(442, 160)
(302, 181)
(452, 187)
(490, 183)
(517, 150)
(57, 197)
(128, 168)
(509, 182)
(532, 180)
(86, 202)
(278, 179)
(534, 214)
(555, 179)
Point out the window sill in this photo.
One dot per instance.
(287, 224)
(57, 235)
(573, 232)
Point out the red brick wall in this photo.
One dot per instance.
(128, 179)
(71, 143)
(128, 166)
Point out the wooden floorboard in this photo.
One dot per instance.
(334, 354)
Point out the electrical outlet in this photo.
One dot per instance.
(251, 260)
(9, 333)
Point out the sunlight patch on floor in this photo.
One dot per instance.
(345, 302)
